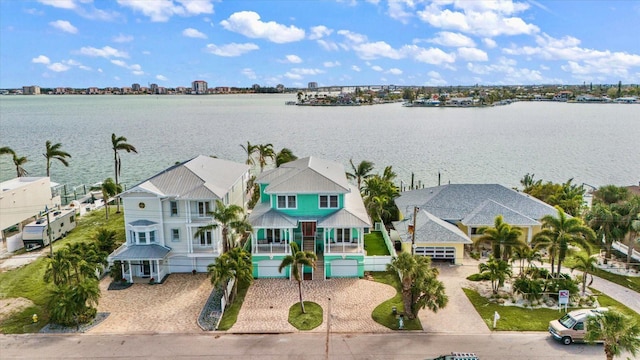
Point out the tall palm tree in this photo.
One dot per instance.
(249, 150)
(227, 217)
(109, 189)
(296, 262)
(558, 233)
(586, 264)
(284, 156)
(360, 172)
(619, 332)
(18, 162)
(5, 150)
(58, 269)
(498, 270)
(265, 151)
(502, 238)
(119, 143)
(630, 224)
(605, 220)
(53, 152)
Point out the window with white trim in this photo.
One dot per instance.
(286, 202)
(273, 235)
(175, 235)
(142, 237)
(328, 201)
(152, 237)
(343, 235)
(203, 208)
(173, 205)
(206, 238)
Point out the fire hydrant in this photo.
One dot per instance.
(35, 318)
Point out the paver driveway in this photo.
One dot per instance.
(266, 305)
(171, 307)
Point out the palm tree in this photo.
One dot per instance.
(586, 264)
(227, 217)
(119, 143)
(611, 194)
(58, 268)
(604, 219)
(498, 271)
(525, 253)
(249, 150)
(558, 233)
(5, 150)
(265, 151)
(378, 195)
(630, 224)
(618, 331)
(18, 162)
(235, 264)
(284, 156)
(106, 240)
(296, 261)
(502, 238)
(360, 172)
(109, 189)
(53, 152)
(420, 287)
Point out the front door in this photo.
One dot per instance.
(309, 229)
(146, 269)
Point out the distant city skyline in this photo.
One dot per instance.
(171, 43)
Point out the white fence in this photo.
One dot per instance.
(379, 263)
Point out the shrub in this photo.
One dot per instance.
(479, 277)
(531, 289)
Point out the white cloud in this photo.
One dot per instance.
(121, 38)
(58, 67)
(331, 64)
(193, 33)
(395, 71)
(472, 54)
(136, 69)
(490, 43)
(396, 10)
(232, 49)
(64, 26)
(61, 4)
(432, 56)
(509, 73)
(248, 23)
(163, 10)
(249, 73)
(161, 78)
(355, 68)
(353, 37)
(376, 68)
(41, 60)
(320, 31)
(327, 45)
(299, 73)
(293, 59)
(446, 38)
(106, 52)
(376, 50)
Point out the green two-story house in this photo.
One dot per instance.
(309, 201)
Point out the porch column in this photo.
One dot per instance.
(529, 234)
(158, 270)
(122, 270)
(189, 239)
(130, 271)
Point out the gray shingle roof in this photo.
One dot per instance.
(307, 175)
(142, 252)
(202, 177)
(430, 229)
(454, 202)
(486, 212)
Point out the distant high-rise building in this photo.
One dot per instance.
(31, 90)
(313, 85)
(135, 87)
(280, 88)
(199, 87)
(255, 86)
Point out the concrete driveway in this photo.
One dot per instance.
(267, 303)
(171, 307)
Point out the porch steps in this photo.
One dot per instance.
(309, 244)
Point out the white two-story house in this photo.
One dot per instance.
(163, 214)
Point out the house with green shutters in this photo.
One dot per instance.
(310, 202)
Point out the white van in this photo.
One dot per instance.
(572, 326)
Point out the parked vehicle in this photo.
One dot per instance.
(572, 326)
(35, 234)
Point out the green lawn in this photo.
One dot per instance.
(383, 313)
(311, 319)
(27, 281)
(231, 313)
(374, 244)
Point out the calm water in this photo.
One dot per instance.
(593, 143)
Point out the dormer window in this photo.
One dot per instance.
(328, 201)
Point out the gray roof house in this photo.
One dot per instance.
(163, 213)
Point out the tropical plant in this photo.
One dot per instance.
(605, 220)
(54, 152)
(296, 262)
(419, 282)
(558, 233)
(498, 270)
(109, 189)
(378, 196)
(566, 195)
(227, 218)
(525, 253)
(611, 194)
(630, 224)
(360, 172)
(501, 237)
(284, 156)
(249, 150)
(235, 264)
(585, 264)
(265, 151)
(618, 331)
(119, 143)
(19, 161)
(530, 289)
(5, 150)
(106, 240)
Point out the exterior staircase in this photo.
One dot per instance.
(308, 244)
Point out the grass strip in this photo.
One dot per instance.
(383, 313)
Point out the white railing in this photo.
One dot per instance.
(625, 250)
(271, 248)
(387, 239)
(343, 248)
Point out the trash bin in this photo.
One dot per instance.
(397, 245)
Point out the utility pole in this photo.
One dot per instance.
(326, 350)
(413, 233)
(46, 210)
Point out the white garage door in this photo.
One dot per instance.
(344, 268)
(269, 269)
(203, 263)
(437, 252)
(179, 264)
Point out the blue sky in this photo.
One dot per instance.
(83, 43)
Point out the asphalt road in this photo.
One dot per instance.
(403, 345)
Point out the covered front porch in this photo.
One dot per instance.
(142, 263)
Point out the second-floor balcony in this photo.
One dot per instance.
(343, 247)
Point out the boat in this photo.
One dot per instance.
(423, 103)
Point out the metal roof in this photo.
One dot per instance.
(142, 252)
(263, 216)
(142, 223)
(202, 177)
(306, 175)
(430, 229)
